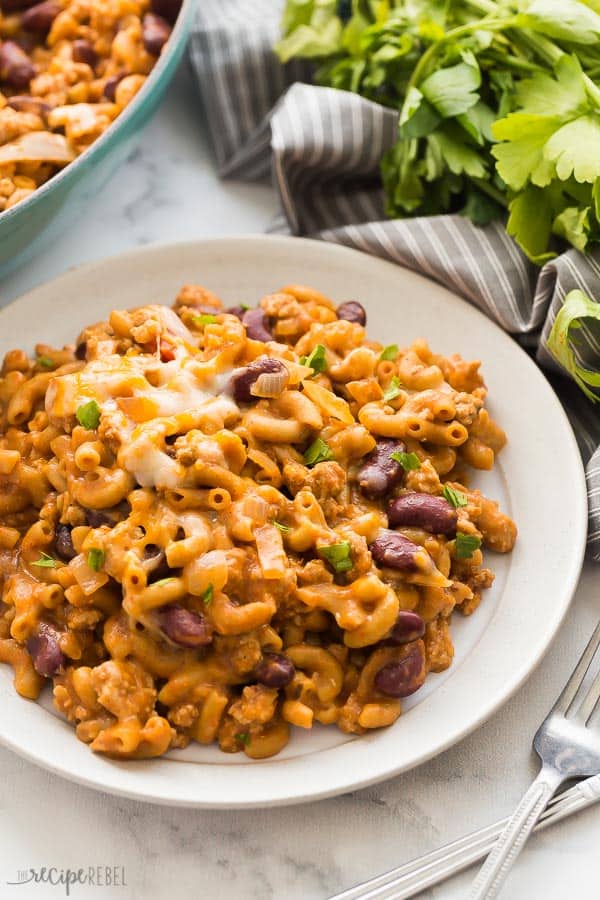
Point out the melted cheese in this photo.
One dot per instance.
(181, 387)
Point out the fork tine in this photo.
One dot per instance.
(590, 700)
(574, 683)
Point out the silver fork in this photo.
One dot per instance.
(568, 748)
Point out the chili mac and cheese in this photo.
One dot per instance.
(217, 523)
(67, 69)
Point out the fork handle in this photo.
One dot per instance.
(491, 876)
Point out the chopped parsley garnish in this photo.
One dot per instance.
(207, 596)
(465, 545)
(456, 498)
(45, 362)
(45, 561)
(162, 581)
(337, 555)
(242, 737)
(95, 559)
(88, 415)
(204, 319)
(244, 306)
(389, 352)
(283, 528)
(393, 389)
(319, 451)
(316, 359)
(410, 462)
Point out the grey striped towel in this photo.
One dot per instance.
(323, 148)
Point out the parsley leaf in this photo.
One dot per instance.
(565, 85)
(204, 319)
(456, 498)
(458, 156)
(453, 90)
(45, 362)
(316, 359)
(311, 29)
(337, 555)
(418, 117)
(242, 737)
(498, 102)
(319, 451)
(530, 223)
(573, 223)
(410, 462)
(88, 415)
(576, 308)
(207, 596)
(393, 389)
(45, 561)
(566, 20)
(283, 528)
(465, 545)
(574, 149)
(162, 581)
(95, 559)
(389, 352)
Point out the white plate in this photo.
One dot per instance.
(539, 480)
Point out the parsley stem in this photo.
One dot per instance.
(514, 62)
(593, 91)
(486, 188)
(498, 24)
(542, 46)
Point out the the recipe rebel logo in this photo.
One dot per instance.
(67, 879)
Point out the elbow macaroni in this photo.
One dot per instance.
(187, 561)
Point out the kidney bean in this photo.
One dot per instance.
(95, 518)
(39, 18)
(380, 473)
(155, 33)
(402, 678)
(63, 542)
(43, 648)
(236, 311)
(184, 627)
(25, 103)
(15, 5)
(394, 550)
(83, 52)
(275, 670)
(352, 311)
(409, 627)
(110, 86)
(256, 324)
(168, 9)
(242, 382)
(434, 514)
(15, 66)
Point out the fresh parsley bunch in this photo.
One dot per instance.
(499, 104)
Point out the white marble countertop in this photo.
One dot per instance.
(168, 191)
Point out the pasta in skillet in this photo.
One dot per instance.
(217, 523)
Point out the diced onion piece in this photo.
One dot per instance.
(256, 508)
(87, 578)
(327, 401)
(271, 555)
(38, 146)
(297, 372)
(81, 119)
(270, 384)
